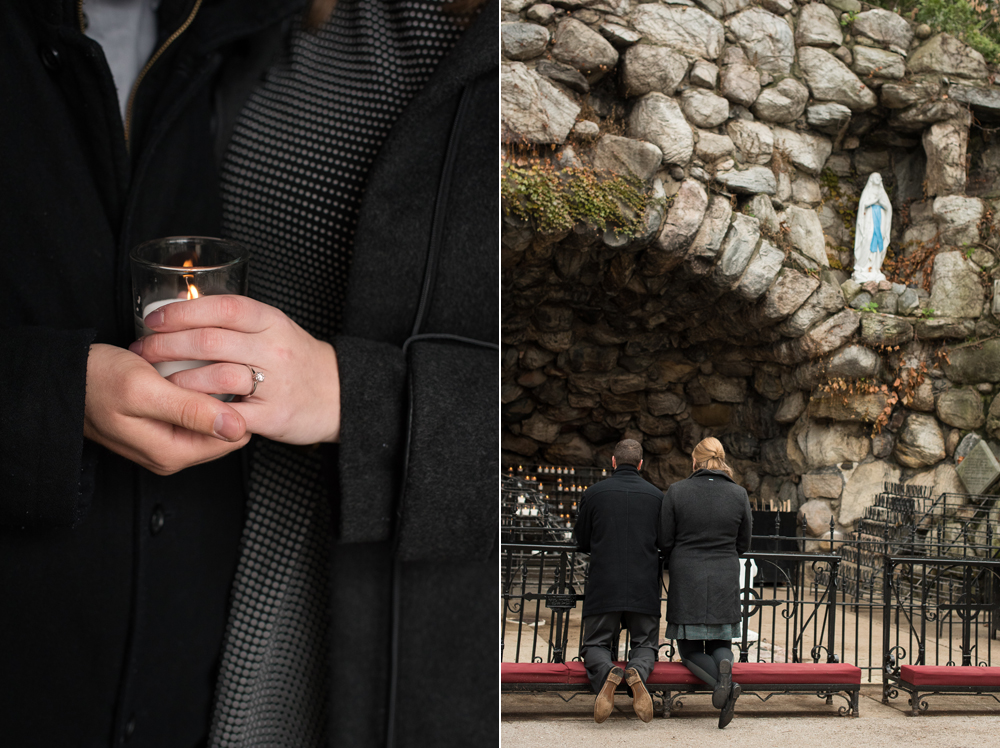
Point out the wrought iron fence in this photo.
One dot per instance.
(797, 607)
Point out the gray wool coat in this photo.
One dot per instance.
(705, 526)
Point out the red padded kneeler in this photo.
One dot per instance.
(950, 675)
(672, 672)
(750, 673)
(534, 672)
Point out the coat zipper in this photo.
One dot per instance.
(152, 60)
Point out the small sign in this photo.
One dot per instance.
(980, 469)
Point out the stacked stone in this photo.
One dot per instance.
(723, 315)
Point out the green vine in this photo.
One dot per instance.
(556, 200)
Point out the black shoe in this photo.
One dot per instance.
(726, 715)
(723, 685)
(605, 702)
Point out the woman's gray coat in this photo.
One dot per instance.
(705, 526)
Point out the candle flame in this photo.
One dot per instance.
(191, 287)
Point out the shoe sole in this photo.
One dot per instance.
(642, 702)
(605, 702)
(730, 709)
(721, 692)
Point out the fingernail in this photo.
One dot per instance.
(154, 319)
(227, 427)
(136, 347)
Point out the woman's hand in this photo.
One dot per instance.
(133, 411)
(297, 402)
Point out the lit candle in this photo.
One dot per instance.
(166, 368)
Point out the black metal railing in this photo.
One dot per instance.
(922, 609)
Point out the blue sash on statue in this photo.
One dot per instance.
(877, 245)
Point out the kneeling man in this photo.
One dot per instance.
(618, 525)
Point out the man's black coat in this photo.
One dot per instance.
(618, 525)
(116, 581)
(705, 526)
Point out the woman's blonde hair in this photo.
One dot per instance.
(710, 455)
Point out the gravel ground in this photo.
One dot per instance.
(789, 721)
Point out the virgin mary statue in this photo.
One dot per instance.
(871, 236)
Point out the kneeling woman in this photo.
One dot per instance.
(706, 527)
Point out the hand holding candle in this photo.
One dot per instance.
(299, 399)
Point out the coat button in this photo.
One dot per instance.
(156, 520)
(129, 727)
(50, 57)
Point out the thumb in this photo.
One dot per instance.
(193, 411)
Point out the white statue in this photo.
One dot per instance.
(871, 235)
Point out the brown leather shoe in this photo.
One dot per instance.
(642, 704)
(606, 698)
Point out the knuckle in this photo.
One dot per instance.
(210, 339)
(231, 307)
(232, 378)
(192, 415)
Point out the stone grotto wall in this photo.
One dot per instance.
(754, 124)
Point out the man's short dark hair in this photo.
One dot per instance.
(628, 452)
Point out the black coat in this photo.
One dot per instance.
(116, 630)
(114, 581)
(618, 525)
(706, 526)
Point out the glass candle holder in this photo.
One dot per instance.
(178, 268)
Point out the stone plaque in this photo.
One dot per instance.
(980, 469)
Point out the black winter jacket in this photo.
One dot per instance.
(706, 526)
(118, 579)
(618, 525)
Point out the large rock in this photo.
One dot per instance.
(683, 220)
(993, 419)
(826, 300)
(822, 339)
(704, 74)
(688, 30)
(789, 292)
(816, 514)
(946, 54)
(761, 272)
(766, 40)
(920, 442)
(740, 83)
(942, 328)
(866, 482)
(647, 68)
(884, 27)
(706, 243)
(885, 330)
(626, 157)
(737, 249)
(540, 428)
(665, 404)
(878, 63)
(850, 362)
(570, 450)
(825, 483)
(946, 144)
(829, 117)
(659, 120)
(813, 445)
(784, 102)
(961, 407)
(723, 8)
(829, 79)
(940, 479)
(523, 41)
(752, 180)
(725, 389)
(754, 141)
(790, 408)
(974, 363)
(958, 217)
(806, 234)
(863, 407)
(711, 147)
(703, 108)
(984, 101)
(955, 287)
(806, 151)
(576, 44)
(818, 26)
(532, 109)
